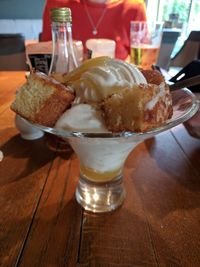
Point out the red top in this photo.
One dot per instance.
(115, 23)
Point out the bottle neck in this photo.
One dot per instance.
(61, 31)
(63, 56)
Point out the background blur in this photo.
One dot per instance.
(25, 16)
(176, 14)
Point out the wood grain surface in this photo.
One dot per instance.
(41, 223)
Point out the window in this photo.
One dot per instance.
(182, 14)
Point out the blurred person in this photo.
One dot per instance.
(99, 19)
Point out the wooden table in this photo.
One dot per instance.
(42, 225)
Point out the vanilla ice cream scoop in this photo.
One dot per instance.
(103, 80)
(82, 117)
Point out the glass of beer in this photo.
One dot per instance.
(145, 40)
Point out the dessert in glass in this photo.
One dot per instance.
(106, 108)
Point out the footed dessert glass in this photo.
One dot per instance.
(102, 156)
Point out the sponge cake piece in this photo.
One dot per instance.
(139, 109)
(42, 99)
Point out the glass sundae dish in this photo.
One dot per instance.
(93, 125)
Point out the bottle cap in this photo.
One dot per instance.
(62, 14)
